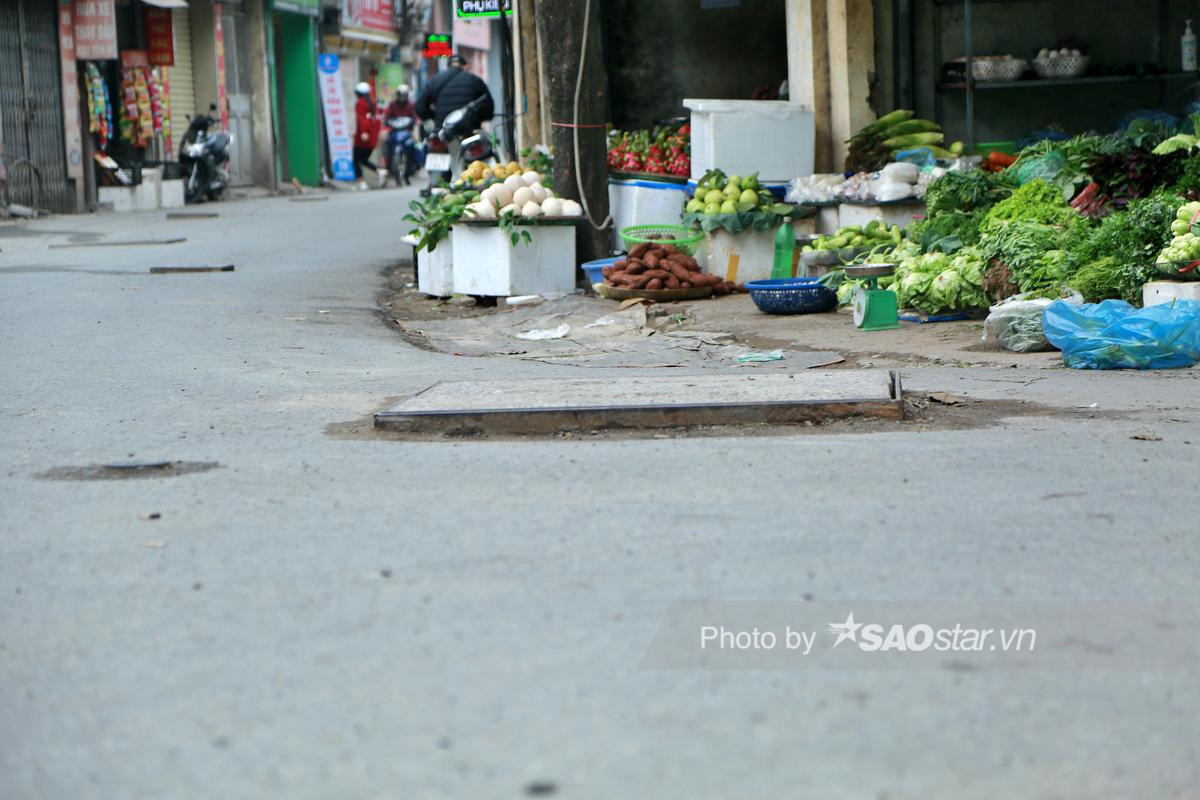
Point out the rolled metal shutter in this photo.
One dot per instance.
(183, 83)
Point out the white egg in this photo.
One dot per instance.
(539, 194)
(488, 196)
(1076, 53)
(513, 182)
(572, 209)
(1043, 53)
(511, 208)
(522, 196)
(530, 178)
(483, 210)
(501, 195)
(549, 192)
(552, 207)
(531, 209)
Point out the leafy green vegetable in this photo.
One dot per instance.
(938, 282)
(1100, 280)
(1036, 201)
(970, 190)
(947, 232)
(1024, 248)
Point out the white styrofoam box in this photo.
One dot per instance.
(644, 202)
(435, 271)
(773, 138)
(1156, 293)
(827, 219)
(126, 199)
(891, 213)
(487, 263)
(170, 194)
(755, 251)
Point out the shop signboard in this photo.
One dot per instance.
(482, 8)
(70, 89)
(377, 14)
(337, 118)
(160, 37)
(95, 30)
(438, 45)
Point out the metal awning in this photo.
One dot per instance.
(167, 3)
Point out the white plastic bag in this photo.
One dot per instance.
(1016, 323)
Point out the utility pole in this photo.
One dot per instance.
(565, 18)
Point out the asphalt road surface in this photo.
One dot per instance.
(326, 616)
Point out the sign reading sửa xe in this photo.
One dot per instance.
(482, 8)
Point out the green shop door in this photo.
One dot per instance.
(299, 110)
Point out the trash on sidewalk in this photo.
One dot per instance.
(756, 358)
(1115, 335)
(541, 334)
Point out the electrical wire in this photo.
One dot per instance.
(587, 11)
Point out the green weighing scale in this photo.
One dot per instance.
(875, 309)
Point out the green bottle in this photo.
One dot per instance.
(785, 246)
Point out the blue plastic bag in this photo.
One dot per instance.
(1115, 335)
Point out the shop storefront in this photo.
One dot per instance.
(294, 88)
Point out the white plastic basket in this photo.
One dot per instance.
(998, 69)
(1061, 66)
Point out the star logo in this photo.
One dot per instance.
(845, 630)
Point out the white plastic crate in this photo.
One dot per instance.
(487, 263)
(773, 138)
(644, 202)
(1156, 293)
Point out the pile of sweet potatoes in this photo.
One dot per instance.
(654, 267)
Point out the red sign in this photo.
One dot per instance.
(377, 14)
(438, 45)
(160, 37)
(70, 90)
(134, 58)
(95, 30)
(222, 97)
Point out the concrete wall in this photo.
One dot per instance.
(1114, 33)
(204, 54)
(263, 161)
(661, 52)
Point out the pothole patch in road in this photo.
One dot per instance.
(127, 470)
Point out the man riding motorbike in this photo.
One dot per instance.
(401, 120)
(449, 91)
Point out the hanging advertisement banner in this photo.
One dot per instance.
(387, 80)
(377, 14)
(160, 37)
(337, 119)
(95, 30)
(222, 98)
(438, 45)
(70, 89)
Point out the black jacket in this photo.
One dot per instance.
(451, 90)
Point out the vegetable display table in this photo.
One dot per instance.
(487, 263)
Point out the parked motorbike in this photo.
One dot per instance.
(402, 149)
(457, 143)
(204, 158)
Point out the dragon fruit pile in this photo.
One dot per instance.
(662, 151)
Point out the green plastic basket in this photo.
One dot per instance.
(684, 238)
